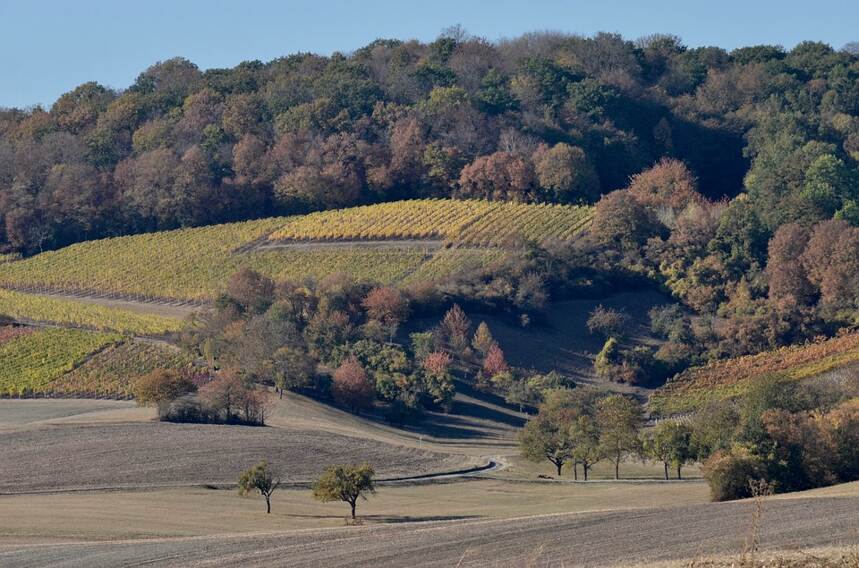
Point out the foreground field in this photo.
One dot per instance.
(604, 538)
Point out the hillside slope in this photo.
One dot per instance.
(193, 264)
(693, 388)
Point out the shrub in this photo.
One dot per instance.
(608, 322)
(729, 475)
(161, 387)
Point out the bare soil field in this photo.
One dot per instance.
(612, 538)
(15, 413)
(146, 454)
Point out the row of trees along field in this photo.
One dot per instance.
(793, 436)
(542, 117)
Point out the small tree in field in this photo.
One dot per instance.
(161, 387)
(352, 387)
(346, 483)
(260, 478)
(547, 437)
(671, 443)
(587, 451)
(619, 420)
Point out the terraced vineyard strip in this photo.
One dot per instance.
(502, 223)
(186, 264)
(9, 332)
(81, 314)
(416, 219)
(454, 260)
(476, 222)
(385, 266)
(112, 372)
(727, 379)
(32, 362)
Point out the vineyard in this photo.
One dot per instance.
(31, 362)
(80, 314)
(112, 371)
(453, 261)
(386, 266)
(186, 263)
(9, 332)
(727, 379)
(484, 223)
(194, 264)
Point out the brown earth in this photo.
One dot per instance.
(579, 539)
(151, 454)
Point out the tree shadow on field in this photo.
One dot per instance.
(394, 519)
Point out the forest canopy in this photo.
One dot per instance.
(544, 117)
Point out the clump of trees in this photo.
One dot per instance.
(792, 436)
(161, 388)
(226, 398)
(583, 427)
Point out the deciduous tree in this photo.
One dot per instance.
(346, 483)
(261, 478)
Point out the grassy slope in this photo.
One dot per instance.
(693, 388)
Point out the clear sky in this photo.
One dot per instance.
(48, 47)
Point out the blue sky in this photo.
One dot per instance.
(47, 47)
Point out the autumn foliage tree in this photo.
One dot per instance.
(161, 387)
(667, 184)
(386, 305)
(565, 174)
(495, 362)
(351, 386)
(456, 326)
(498, 176)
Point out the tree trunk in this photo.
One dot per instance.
(281, 393)
(352, 503)
(268, 504)
(666, 469)
(586, 467)
(617, 468)
(678, 472)
(559, 465)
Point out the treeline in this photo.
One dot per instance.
(544, 117)
(791, 436)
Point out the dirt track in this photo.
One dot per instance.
(591, 539)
